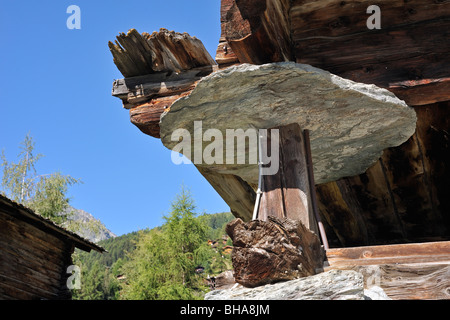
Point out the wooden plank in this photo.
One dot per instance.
(413, 281)
(416, 281)
(147, 115)
(272, 198)
(132, 54)
(179, 62)
(334, 18)
(177, 51)
(287, 193)
(296, 186)
(151, 90)
(389, 254)
(257, 33)
(15, 254)
(18, 289)
(141, 54)
(24, 214)
(422, 92)
(155, 81)
(29, 237)
(411, 44)
(433, 135)
(225, 56)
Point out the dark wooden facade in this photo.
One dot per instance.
(405, 196)
(34, 255)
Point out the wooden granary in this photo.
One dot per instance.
(395, 214)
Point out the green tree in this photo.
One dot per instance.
(164, 262)
(45, 194)
(19, 178)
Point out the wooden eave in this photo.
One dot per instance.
(25, 214)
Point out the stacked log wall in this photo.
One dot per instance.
(33, 263)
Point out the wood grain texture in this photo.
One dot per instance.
(275, 250)
(411, 44)
(34, 255)
(158, 69)
(402, 198)
(389, 254)
(287, 194)
(138, 54)
(403, 271)
(257, 33)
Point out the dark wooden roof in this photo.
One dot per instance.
(27, 215)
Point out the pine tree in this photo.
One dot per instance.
(164, 262)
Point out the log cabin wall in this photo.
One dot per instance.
(34, 255)
(402, 198)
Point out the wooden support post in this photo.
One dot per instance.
(287, 194)
(282, 243)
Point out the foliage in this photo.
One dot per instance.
(50, 196)
(18, 178)
(100, 271)
(44, 194)
(163, 265)
(158, 263)
(217, 223)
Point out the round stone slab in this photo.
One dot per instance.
(350, 123)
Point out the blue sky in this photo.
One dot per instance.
(56, 84)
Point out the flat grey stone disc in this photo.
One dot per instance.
(350, 123)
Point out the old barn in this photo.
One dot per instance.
(35, 255)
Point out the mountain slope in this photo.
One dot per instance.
(86, 226)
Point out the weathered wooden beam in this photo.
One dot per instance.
(280, 244)
(159, 84)
(138, 54)
(131, 54)
(287, 193)
(274, 250)
(147, 97)
(159, 69)
(389, 254)
(412, 44)
(257, 33)
(407, 281)
(403, 271)
(225, 57)
(27, 216)
(146, 116)
(422, 92)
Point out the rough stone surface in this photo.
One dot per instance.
(330, 285)
(350, 123)
(375, 293)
